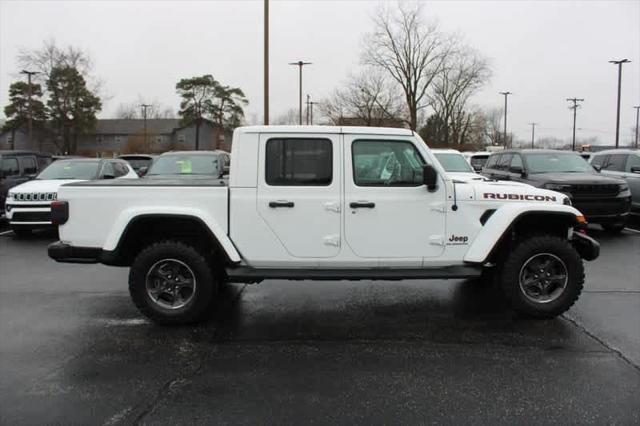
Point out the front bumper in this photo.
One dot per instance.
(587, 247)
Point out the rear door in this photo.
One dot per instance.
(388, 211)
(299, 192)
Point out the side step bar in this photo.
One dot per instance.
(246, 274)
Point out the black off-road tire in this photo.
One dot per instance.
(22, 232)
(205, 290)
(614, 228)
(523, 251)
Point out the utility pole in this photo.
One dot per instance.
(637, 117)
(619, 64)
(308, 103)
(29, 93)
(574, 107)
(533, 133)
(505, 94)
(312, 104)
(266, 62)
(300, 64)
(144, 116)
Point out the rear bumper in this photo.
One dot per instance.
(66, 253)
(587, 247)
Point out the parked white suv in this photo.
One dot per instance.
(28, 206)
(305, 202)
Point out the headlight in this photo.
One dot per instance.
(623, 187)
(557, 187)
(9, 196)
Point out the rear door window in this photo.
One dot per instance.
(299, 162)
(9, 167)
(28, 165)
(616, 163)
(632, 161)
(599, 160)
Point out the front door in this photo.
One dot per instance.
(389, 213)
(299, 197)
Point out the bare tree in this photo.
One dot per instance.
(410, 51)
(289, 117)
(367, 99)
(463, 73)
(50, 56)
(133, 110)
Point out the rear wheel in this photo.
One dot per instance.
(542, 277)
(172, 283)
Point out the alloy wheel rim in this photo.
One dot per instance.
(170, 283)
(543, 278)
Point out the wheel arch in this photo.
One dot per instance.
(145, 229)
(504, 227)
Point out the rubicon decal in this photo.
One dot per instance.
(524, 197)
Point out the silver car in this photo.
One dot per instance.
(624, 163)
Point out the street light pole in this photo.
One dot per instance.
(308, 103)
(574, 107)
(300, 64)
(619, 64)
(637, 117)
(533, 133)
(30, 109)
(505, 94)
(266, 62)
(144, 116)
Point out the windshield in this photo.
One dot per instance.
(453, 162)
(557, 162)
(69, 169)
(185, 164)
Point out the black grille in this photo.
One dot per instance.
(31, 217)
(602, 207)
(594, 190)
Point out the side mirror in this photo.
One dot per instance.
(635, 169)
(429, 177)
(597, 167)
(106, 176)
(142, 171)
(477, 168)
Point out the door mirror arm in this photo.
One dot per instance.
(597, 167)
(430, 177)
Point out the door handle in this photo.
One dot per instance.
(276, 204)
(362, 205)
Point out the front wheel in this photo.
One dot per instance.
(542, 277)
(172, 283)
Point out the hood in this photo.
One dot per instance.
(466, 176)
(37, 186)
(572, 178)
(514, 192)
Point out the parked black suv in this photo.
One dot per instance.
(602, 199)
(17, 167)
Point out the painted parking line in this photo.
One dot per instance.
(626, 229)
(6, 232)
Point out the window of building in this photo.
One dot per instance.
(9, 167)
(118, 139)
(181, 138)
(99, 138)
(386, 163)
(28, 165)
(299, 162)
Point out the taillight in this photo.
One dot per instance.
(59, 212)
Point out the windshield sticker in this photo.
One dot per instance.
(185, 166)
(524, 197)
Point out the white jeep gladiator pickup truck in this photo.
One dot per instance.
(323, 203)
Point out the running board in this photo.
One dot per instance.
(246, 274)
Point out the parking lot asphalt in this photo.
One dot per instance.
(74, 350)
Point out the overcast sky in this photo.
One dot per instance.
(542, 51)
